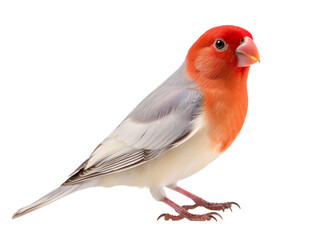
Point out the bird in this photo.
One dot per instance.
(178, 129)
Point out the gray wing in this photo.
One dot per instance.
(162, 121)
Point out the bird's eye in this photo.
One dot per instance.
(220, 45)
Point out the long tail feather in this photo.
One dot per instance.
(56, 194)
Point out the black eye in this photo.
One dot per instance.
(220, 45)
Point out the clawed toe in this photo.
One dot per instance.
(188, 207)
(167, 217)
(212, 206)
(189, 216)
(228, 205)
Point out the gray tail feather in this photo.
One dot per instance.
(56, 194)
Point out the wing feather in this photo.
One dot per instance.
(162, 121)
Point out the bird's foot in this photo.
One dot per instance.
(211, 206)
(199, 202)
(190, 216)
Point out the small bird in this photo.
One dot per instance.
(177, 130)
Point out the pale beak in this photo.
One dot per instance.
(247, 53)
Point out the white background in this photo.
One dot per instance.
(70, 71)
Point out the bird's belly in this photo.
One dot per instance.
(176, 164)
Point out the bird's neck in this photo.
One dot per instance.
(225, 106)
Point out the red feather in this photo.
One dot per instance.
(221, 82)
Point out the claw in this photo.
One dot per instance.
(211, 216)
(162, 215)
(236, 204)
(215, 213)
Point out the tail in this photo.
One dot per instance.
(56, 194)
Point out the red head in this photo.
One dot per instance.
(220, 52)
(219, 62)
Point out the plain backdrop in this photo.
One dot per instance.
(71, 71)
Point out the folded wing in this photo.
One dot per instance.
(165, 119)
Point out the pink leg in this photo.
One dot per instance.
(183, 213)
(201, 202)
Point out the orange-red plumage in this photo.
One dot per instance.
(221, 82)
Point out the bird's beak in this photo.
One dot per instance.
(247, 53)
